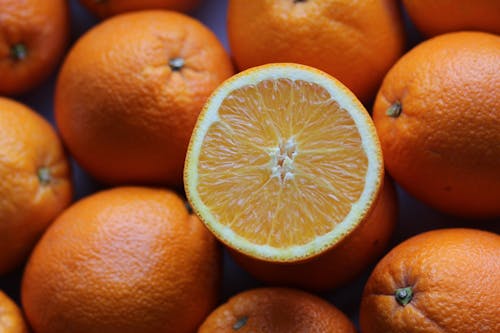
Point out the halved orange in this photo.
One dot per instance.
(283, 163)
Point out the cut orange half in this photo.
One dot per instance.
(283, 162)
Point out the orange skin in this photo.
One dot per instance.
(444, 145)
(125, 260)
(36, 181)
(28, 53)
(435, 17)
(106, 8)
(11, 317)
(276, 310)
(340, 264)
(454, 279)
(123, 109)
(354, 41)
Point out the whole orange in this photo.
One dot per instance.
(276, 310)
(106, 8)
(36, 181)
(440, 281)
(125, 260)
(130, 91)
(33, 37)
(438, 118)
(434, 17)
(11, 317)
(354, 41)
(340, 264)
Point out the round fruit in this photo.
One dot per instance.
(438, 118)
(106, 8)
(434, 17)
(440, 281)
(11, 318)
(125, 260)
(276, 310)
(354, 41)
(129, 93)
(342, 263)
(33, 36)
(283, 163)
(36, 181)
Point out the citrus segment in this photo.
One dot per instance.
(283, 162)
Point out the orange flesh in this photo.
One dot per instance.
(283, 163)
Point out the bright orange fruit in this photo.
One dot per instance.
(129, 93)
(354, 41)
(276, 310)
(33, 37)
(438, 118)
(435, 17)
(283, 163)
(36, 181)
(440, 281)
(125, 260)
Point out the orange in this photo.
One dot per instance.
(276, 310)
(106, 8)
(435, 17)
(11, 318)
(440, 281)
(342, 263)
(438, 118)
(36, 184)
(283, 163)
(125, 260)
(129, 93)
(33, 37)
(354, 41)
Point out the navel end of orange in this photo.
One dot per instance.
(403, 295)
(44, 175)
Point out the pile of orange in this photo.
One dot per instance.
(319, 137)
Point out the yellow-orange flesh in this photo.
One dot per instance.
(282, 164)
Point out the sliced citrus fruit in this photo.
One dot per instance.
(283, 162)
